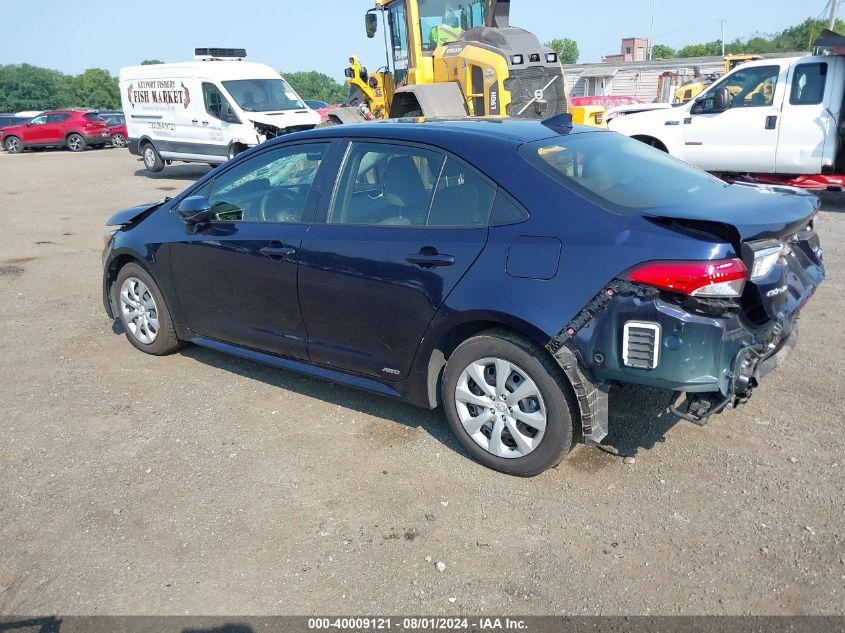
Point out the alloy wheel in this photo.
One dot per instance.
(138, 307)
(118, 140)
(501, 408)
(149, 157)
(13, 145)
(75, 142)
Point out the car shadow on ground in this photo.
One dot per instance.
(638, 416)
(832, 201)
(432, 422)
(191, 172)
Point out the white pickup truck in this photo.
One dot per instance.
(779, 118)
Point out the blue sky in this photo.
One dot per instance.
(321, 34)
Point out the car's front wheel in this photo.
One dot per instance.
(13, 145)
(152, 159)
(75, 142)
(508, 404)
(143, 312)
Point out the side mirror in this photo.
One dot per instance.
(721, 100)
(371, 25)
(195, 209)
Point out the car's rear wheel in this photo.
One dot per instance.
(118, 140)
(152, 159)
(508, 404)
(75, 142)
(143, 312)
(13, 145)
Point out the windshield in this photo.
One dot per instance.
(263, 95)
(618, 173)
(443, 21)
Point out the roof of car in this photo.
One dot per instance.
(512, 131)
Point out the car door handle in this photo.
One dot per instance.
(430, 258)
(771, 122)
(285, 253)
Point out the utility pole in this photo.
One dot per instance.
(834, 8)
(651, 37)
(723, 37)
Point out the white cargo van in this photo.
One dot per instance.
(208, 110)
(779, 117)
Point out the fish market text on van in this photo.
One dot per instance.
(157, 92)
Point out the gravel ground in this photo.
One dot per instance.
(203, 484)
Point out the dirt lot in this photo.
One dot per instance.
(203, 484)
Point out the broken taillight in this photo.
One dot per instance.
(721, 278)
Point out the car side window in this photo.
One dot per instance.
(463, 197)
(808, 84)
(270, 187)
(385, 185)
(58, 118)
(752, 87)
(39, 120)
(216, 103)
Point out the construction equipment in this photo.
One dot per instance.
(692, 89)
(448, 58)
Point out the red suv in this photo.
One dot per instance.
(74, 129)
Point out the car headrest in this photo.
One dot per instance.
(403, 185)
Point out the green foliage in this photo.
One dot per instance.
(96, 88)
(793, 39)
(661, 51)
(151, 62)
(314, 85)
(27, 87)
(566, 49)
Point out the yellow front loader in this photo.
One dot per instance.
(457, 58)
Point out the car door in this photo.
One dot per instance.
(404, 224)
(236, 276)
(807, 131)
(37, 130)
(211, 129)
(57, 128)
(743, 137)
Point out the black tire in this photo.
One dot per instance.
(561, 412)
(166, 341)
(13, 145)
(75, 142)
(152, 159)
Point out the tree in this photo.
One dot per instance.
(318, 86)
(151, 62)
(707, 49)
(661, 51)
(566, 49)
(96, 88)
(27, 87)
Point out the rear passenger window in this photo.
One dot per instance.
(385, 185)
(463, 197)
(271, 187)
(808, 84)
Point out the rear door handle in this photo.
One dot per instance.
(771, 122)
(282, 253)
(426, 259)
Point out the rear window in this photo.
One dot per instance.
(618, 173)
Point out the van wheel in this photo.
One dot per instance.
(152, 160)
(13, 145)
(75, 142)
(509, 404)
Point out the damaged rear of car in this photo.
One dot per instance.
(707, 313)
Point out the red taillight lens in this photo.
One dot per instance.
(721, 278)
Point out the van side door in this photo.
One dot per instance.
(737, 131)
(215, 120)
(808, 133)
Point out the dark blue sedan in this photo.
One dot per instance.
(507, 271)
